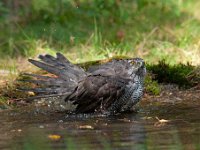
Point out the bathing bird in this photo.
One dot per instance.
(113, 87)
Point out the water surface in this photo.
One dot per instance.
(156, 125)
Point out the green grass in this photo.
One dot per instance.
(92, 30)
(151, 86)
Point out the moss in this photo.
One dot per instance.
(3, 103)
(176, 74)
(151, 86)
(194, 76)
(86, 65)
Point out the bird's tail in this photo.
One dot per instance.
(65, 76)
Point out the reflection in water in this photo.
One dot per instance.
(29, 130)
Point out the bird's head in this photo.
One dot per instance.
(138, 67)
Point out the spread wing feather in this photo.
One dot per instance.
(65, 80)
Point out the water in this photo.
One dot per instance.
(156, 125)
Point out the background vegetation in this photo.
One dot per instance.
(89, 30)
(163, 32)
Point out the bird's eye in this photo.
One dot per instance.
(132, 62)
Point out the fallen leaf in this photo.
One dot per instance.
(31, 93)
(125, 120)
(147, 118)
(19, 130)
(162, 120)
(54, 137)
(86, 127)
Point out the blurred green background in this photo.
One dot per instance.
(86, 30)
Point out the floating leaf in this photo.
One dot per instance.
(31, 93)
(161, 122)
(86, 127)
(125, 120)
(54, 137)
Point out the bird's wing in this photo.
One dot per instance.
(65, 76)
(97, 92)
(59, 66)
(115, 68)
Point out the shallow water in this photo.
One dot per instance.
(156, 125)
